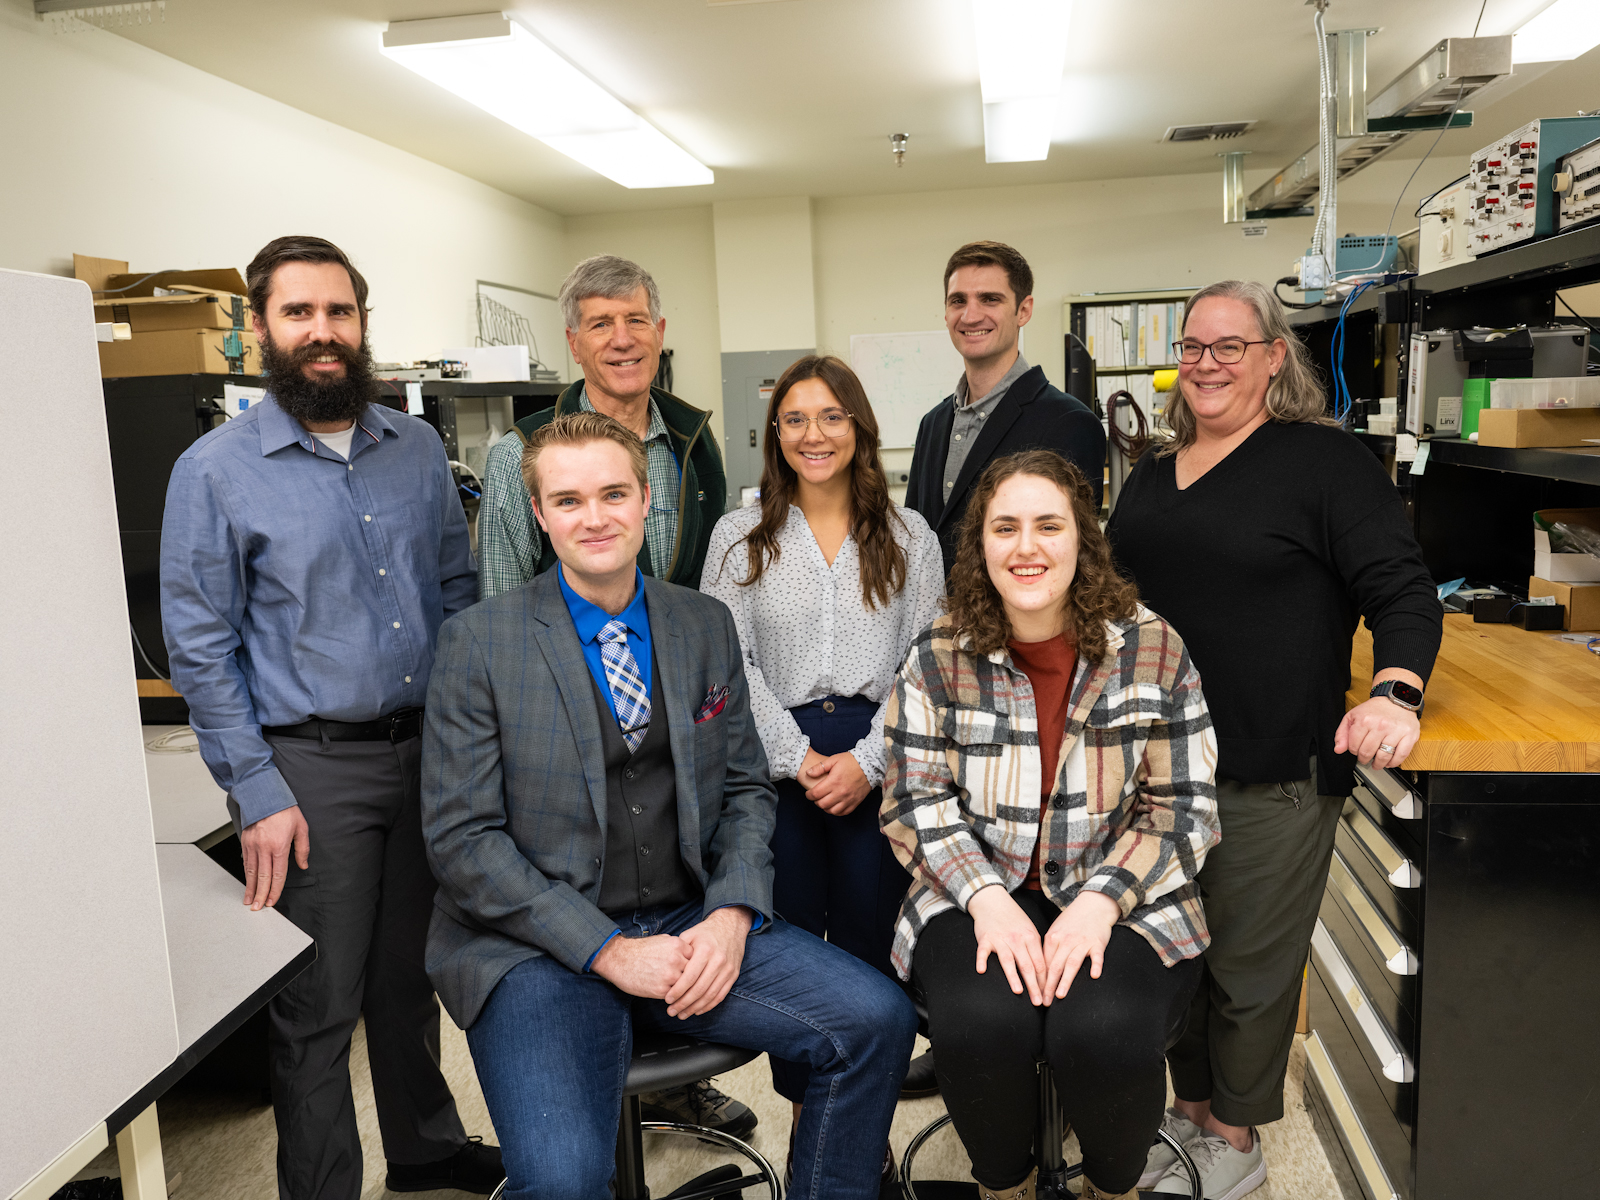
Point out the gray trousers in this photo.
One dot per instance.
(366, 899)
(1261, 887)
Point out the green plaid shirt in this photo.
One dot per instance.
(510, 543)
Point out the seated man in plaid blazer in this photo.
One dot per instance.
(597, 810)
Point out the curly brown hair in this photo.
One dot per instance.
(1097, 594)
(883, 560)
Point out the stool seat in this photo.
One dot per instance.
(669, 1060)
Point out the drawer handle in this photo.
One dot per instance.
(1350, 1130)
(1402, 871)
(1402, 801)
(1342, 982)
(1400, 958)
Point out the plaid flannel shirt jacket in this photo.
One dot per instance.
(1133, 810)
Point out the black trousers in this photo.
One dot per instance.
(1106, 1043)
(835, 877)
(366, 899)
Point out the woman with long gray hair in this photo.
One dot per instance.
(1261, 531)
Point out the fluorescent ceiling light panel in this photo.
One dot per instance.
(492, 61)
(1022, 52)
(1565, 30)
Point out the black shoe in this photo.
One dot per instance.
(889, 1182)
(473, 1168)
(700, 1104)
(920, 1078)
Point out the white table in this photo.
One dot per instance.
(187, 805)
(226, 962)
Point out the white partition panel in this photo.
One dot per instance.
(86, 1008)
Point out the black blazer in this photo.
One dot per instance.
(1032, 415)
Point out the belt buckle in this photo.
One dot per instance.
(401, 723)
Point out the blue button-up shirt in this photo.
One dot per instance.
(589, 619)
(295, 584)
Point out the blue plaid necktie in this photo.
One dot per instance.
(627, 685)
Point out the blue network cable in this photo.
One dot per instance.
(1341, 390)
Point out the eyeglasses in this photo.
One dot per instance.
(792, 426)
(1228, 350)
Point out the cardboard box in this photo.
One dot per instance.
(1582, 600)
(1522, 427)
(1562, 568)
(176, 352)
(188, 309)
(219, 279)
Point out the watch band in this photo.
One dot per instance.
(1388, 688)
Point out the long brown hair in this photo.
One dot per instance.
(1097, 595)
(883, 560)
(1293, 394)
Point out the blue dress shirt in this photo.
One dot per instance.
(296, 584)
(590, 619)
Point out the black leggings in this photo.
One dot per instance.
(1106, 1043)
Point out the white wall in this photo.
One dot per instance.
(117, 151)
(765, 276)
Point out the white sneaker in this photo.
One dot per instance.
(1225, 1173)
(1162, 1156)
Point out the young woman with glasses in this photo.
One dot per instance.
(1261, 531)
(829, 583)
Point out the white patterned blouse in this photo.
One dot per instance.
(807, 634)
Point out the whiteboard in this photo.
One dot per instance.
(905, 375)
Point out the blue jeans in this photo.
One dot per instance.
(552, 1049)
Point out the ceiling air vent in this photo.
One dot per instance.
(1217, 131)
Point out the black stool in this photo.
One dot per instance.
(1048, 1140)
(668, 1060)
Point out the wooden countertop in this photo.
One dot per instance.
(1500, 699)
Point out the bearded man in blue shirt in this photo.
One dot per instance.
(311, 548)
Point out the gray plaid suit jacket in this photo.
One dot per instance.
(514, 789)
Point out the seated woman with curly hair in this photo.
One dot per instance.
(1050, 788)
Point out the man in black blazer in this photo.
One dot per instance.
(1000, 405)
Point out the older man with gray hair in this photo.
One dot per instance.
(612, 312)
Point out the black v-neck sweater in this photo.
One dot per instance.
(1262, 565)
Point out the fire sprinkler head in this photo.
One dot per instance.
(897, 144)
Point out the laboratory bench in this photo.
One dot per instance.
(1456, 959)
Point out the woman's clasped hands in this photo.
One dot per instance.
(1046, 966)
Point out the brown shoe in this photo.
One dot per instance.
(1090, 1192)
(1022, 1191)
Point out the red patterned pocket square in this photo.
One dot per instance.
(715, 699)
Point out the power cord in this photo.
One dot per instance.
(181, 740)
(138, 645)
(1129, 445)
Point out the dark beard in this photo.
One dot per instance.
(319, 401)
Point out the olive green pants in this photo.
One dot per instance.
(1261, 887)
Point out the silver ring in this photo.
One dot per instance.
(1386, 748)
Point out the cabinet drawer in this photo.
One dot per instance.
(1377, 1176)
(1397, 809)
(1394, 996)
(1385, 1059)
(1394, 951)
(1392, 876)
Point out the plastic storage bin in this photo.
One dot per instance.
(1580, 391)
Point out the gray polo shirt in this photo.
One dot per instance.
(969, 418)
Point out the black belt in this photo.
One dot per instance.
(399, 726)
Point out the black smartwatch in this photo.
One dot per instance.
(1402, 694)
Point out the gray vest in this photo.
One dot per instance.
(643, 865)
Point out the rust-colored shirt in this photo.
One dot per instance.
(1049, 666)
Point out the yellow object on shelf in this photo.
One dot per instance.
(1165, 381)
